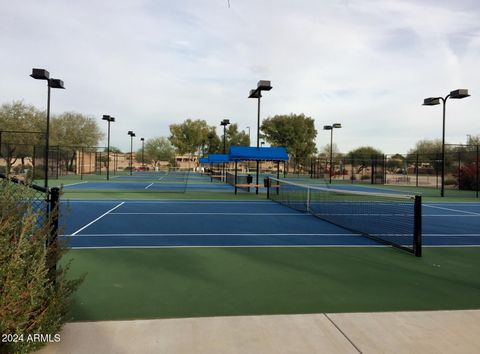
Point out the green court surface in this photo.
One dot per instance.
(191, 282)
(135, 283)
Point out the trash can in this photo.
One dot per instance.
(266, 182)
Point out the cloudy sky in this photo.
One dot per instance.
(365, 64)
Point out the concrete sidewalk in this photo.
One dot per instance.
(389, 332)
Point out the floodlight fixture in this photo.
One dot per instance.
(56, 83)
(460, 93)
(255, 94)
(262, 85)
(331, 128)
(433, 101)
(40, 74)
(132, 134)
(109, 119)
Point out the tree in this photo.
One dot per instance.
(189, 136)
(156, 150)
(72, 130)
(428, 148)
(234, 137)
(214, 144)
(21, 128)
(114, 150)
(395, 163)
(429, 152)
(296, 132)
(473, 140)
(363, 156)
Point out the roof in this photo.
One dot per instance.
(203, 160)
(217, 158)
(247, 153)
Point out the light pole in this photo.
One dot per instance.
(143, 152)
(42, 74)
(249, 141)
(331, 127)
(109, 120)
(262, 85)
(132, 134)
(432, 101)
(224, 123)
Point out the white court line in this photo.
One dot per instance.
(151, 184)
(74, 184)
(101, 216)
(247, 214)
(176, 201)
(450, 209)
(450, 215)
(243, 246)
(210, 234)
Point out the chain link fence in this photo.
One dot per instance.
(462, 170)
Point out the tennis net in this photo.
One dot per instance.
(393, 219)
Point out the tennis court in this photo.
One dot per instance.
(188, 223)
(213, 253)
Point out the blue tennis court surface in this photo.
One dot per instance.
(186, 223)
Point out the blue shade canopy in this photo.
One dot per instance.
(247, 153)
(203, 160)
(218, 158)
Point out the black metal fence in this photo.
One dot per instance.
(29, 160)
(422, 170)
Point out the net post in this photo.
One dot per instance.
(235, 182)
(417, 228)
(308, 199)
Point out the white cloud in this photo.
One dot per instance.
(365, 64)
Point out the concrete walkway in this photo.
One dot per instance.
(389, 332)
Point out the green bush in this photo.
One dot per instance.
(468, 177)
(450, 181)
(34, 296)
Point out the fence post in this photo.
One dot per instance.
(417, 230)
(477, 171)
(52, 242)
(416, 174)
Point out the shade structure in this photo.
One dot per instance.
(248, 153)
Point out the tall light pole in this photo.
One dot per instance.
(143, 152)
(224, 123)
(132, 134)
(262, 85)
(432, 101)
(42, 74)
(331, 127)
(249, 141)
(109, 120)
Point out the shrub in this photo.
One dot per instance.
(450, 181)
(467, 180)
(34, 296)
